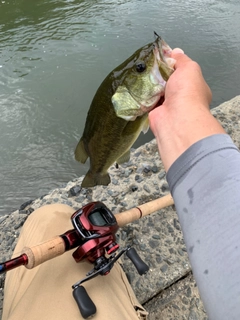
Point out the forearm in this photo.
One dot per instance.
(175, 135)
(205, 184)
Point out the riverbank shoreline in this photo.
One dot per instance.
(168, 291)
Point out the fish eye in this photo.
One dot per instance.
(140, 66)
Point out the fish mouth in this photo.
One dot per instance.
(159, 103)
(164, 51)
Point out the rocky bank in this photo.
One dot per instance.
(168, 291)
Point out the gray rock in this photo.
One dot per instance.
(74, 191)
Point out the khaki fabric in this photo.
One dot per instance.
(45, 292)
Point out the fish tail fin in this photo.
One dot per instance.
(94, 179)
(80, 152)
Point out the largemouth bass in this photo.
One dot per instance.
(119, 109)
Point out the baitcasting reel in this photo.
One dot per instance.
(96, 227)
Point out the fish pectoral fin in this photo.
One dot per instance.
(94, 179)
(80, 152)
(124, 105)
(124, 158)
(145, 126)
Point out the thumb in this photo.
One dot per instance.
(180, 57)
(177, 50)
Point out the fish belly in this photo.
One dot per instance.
(107, 147)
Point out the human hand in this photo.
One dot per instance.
(184, 117)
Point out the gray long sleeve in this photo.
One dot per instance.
(205, 184)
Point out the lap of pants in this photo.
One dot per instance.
(45, 292)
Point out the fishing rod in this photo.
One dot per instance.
(93, 234)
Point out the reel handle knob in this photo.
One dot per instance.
(86, 306)
(139, 264)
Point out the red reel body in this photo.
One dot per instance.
(96, 226)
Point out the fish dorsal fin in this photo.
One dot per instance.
(80, 152)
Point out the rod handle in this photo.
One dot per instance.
(145, 209)
(44, 251)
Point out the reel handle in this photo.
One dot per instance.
(139, 264)
(86, 306)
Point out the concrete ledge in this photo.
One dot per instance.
(168, 291)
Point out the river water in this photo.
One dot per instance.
(53, 56)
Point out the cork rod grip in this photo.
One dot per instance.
(44, 251)
(145, 209)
